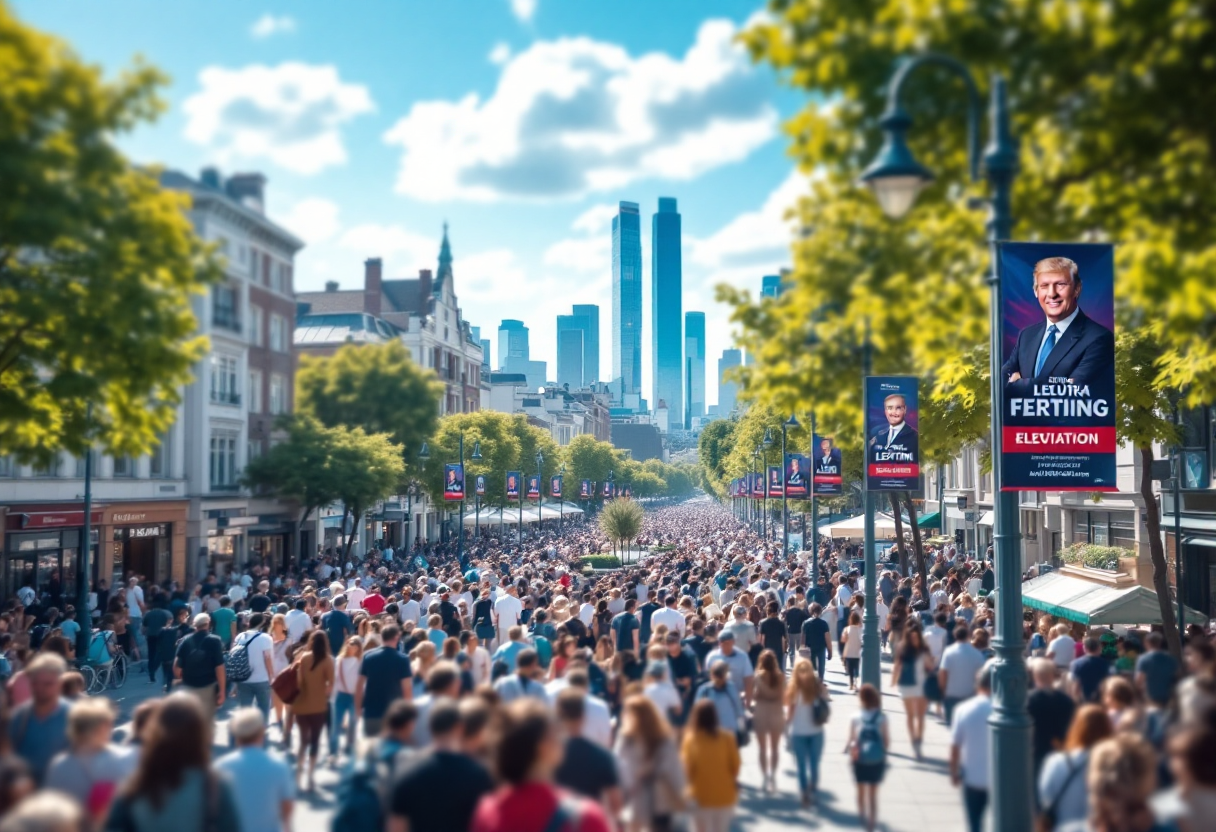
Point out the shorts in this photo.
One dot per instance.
(869, 773)
(911, 692)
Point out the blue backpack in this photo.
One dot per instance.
(870, 750)
(359, 801)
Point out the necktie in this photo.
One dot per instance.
(1048, 343)
(890, 437)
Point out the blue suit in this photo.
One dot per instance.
(1084, 353)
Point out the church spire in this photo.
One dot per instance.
(445, 262)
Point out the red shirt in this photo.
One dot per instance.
(374, 603)
(529, 808)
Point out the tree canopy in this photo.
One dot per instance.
(98, 264)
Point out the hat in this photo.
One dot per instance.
(202, 620)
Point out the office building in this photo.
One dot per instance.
(512, 342)
(667, 316)
(570, 351)
(591, 341)
(694, 367)
(771, 286)
(627, 299)
(728, 390)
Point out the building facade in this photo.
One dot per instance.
(667, 316)
(512, 342)
(627, 299)
(591, 341)
(570, 351)
(694, 367)
(728, 390)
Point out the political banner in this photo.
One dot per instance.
(756, 479)
(453, 481)
(827, 477)
(1058, 366)
(481, 485)
(555, 487)
(776, 481)
(892, 443)
(607, 490)
(513, 478)
(796, 476)
(533, 487)
(585, 490)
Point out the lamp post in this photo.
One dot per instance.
(540, 493)
(767, 443)
(814, 515)
(871, 646)
(424, 454)
(476, 457)
(561, 500)
(896, 178)
(84, 636)
(752, 487)
(464, 492)
(792, 422)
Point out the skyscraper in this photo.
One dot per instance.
(728, 391)
(627, 298)
(667, 318)
(694, 366)
(591, 341)
(770, 286)
(512, 342)
(571, 330)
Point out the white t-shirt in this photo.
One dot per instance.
(260, 646)
(508, 608)
(586, 614)
(962, 663)
(236, 593)
(409, 611)
(479, 666)
(669, 616)
(970, 733)
(1062, 650)
(354, 598)
(843, 596)
(135, 597)
(935, 640)
(346, 675)
(664, 697)
(882, 611)
(298, 623)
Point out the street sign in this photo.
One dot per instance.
(970, 517)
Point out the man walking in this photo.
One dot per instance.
(384, 677)
(961, 662)
(199, 665)
(262, 786)
(969, 764)
(259, 652)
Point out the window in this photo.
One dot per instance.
(255, 449)
(278, 394)
(124, 466)
(278, 333)
(79, 461)
(221, 244)
(224, 311)
(242, 254)
(255, 391)
(223, 458)
(6, 466)
(158, 462)
(265, 269)
(224, 386)
(52, 469)
(256, 334)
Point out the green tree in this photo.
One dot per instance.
(364, 468)
(713, 446)
(377, 387)
(1111, 149)
(621, 521)
(587, 458)
(98, 264)
(499, 451)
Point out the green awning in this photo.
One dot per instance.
(930, 521)
(1091, 604)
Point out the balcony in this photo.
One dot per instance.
(226, 397)
(225, 487)
(224, 319)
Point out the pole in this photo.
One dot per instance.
(1178, 471)
(871, 660)
(463, 489)
(785, 513)
(814, 518)
(85, 635)
(764, 500)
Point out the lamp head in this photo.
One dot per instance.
(477, 450)
(792, 422)
(424, 453)
(895, 176)
(768, 437)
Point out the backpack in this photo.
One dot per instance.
(194, 660)
(870, 750)
(37, 635)
(236, 664)
(359, 803)
(544, 650)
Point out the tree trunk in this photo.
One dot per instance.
(918, 549)
(298, 537)
(350, 538)
(899, 533)
(1156, 551)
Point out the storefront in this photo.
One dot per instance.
(41, 548)
(148, 540)
(270, 543)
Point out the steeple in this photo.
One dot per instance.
(445, 262)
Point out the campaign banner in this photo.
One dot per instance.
(892, 443)
(827, 477)
(584, 490)
(797, 474)
(776, 481)
(757, 484)
(1058, 366)
(453, 481)
(480, 483)
(607, 490)
(555, 487)
(533, 487)
(513, 478)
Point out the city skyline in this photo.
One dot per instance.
(666, 314)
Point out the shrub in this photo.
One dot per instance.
(1093, 556)
(601, 561)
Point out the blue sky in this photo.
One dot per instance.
(520, 122)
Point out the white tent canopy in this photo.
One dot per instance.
(884, 526)
(510, 516)
(1091, 604)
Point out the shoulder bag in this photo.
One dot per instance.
(286, 685)
(1046, 821)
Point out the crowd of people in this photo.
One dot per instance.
(505, 689)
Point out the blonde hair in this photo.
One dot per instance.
(278, 620)
(1057, 264)
(1122, 774)
(86, 716)
(805, 681)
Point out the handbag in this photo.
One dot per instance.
(286, 685)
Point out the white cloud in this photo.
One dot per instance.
(595, 219)
(314, 220)
(500, 54)
(392, 242)
(523, 9)
(575, 115)
(290, 114)
(268, 25)
(754, 233)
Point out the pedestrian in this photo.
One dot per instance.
(337, 625)
(384, 676)
(1051, 711)
(346, 682)
(93, 767)
(969, 763)
(1156, 671)
(173, 787)
(773, 634)
(711, 765)
(524, 682)
(46, 812)
(38, 728)
(1121, 776)
(961, 662)
(280, 661)
(806, 709)
(315, 676)
(199, 666)
(587, 767)
(1062, 787)
(259, 652)
(263, 787)
(768, 721)
(869, 740)
(652, 779)
(850, 648)
(910, 671)
(1086, 674)
(816, 637)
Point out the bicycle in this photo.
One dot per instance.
(111, 675)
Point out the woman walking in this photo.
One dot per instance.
(279, 661)
(1063, 789)
(346, 680)
(850, 648)
(315, 673)
(711, 764)
(913, 664)
(806, 706)
(767, 718)
(651, 777)
(869, 739)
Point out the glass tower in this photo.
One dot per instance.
(694, 366)
(571, 330)
(728, 391)
(667, 316)
(591, 341)
(627, 298)
(512, 342)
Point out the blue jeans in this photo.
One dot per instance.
(344, 704)
(247, 693)
(975, 801)
(808, 749)
(819, 658)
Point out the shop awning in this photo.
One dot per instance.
(884, 526)
(1091, 604)
(987, 518)
(930, 521)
